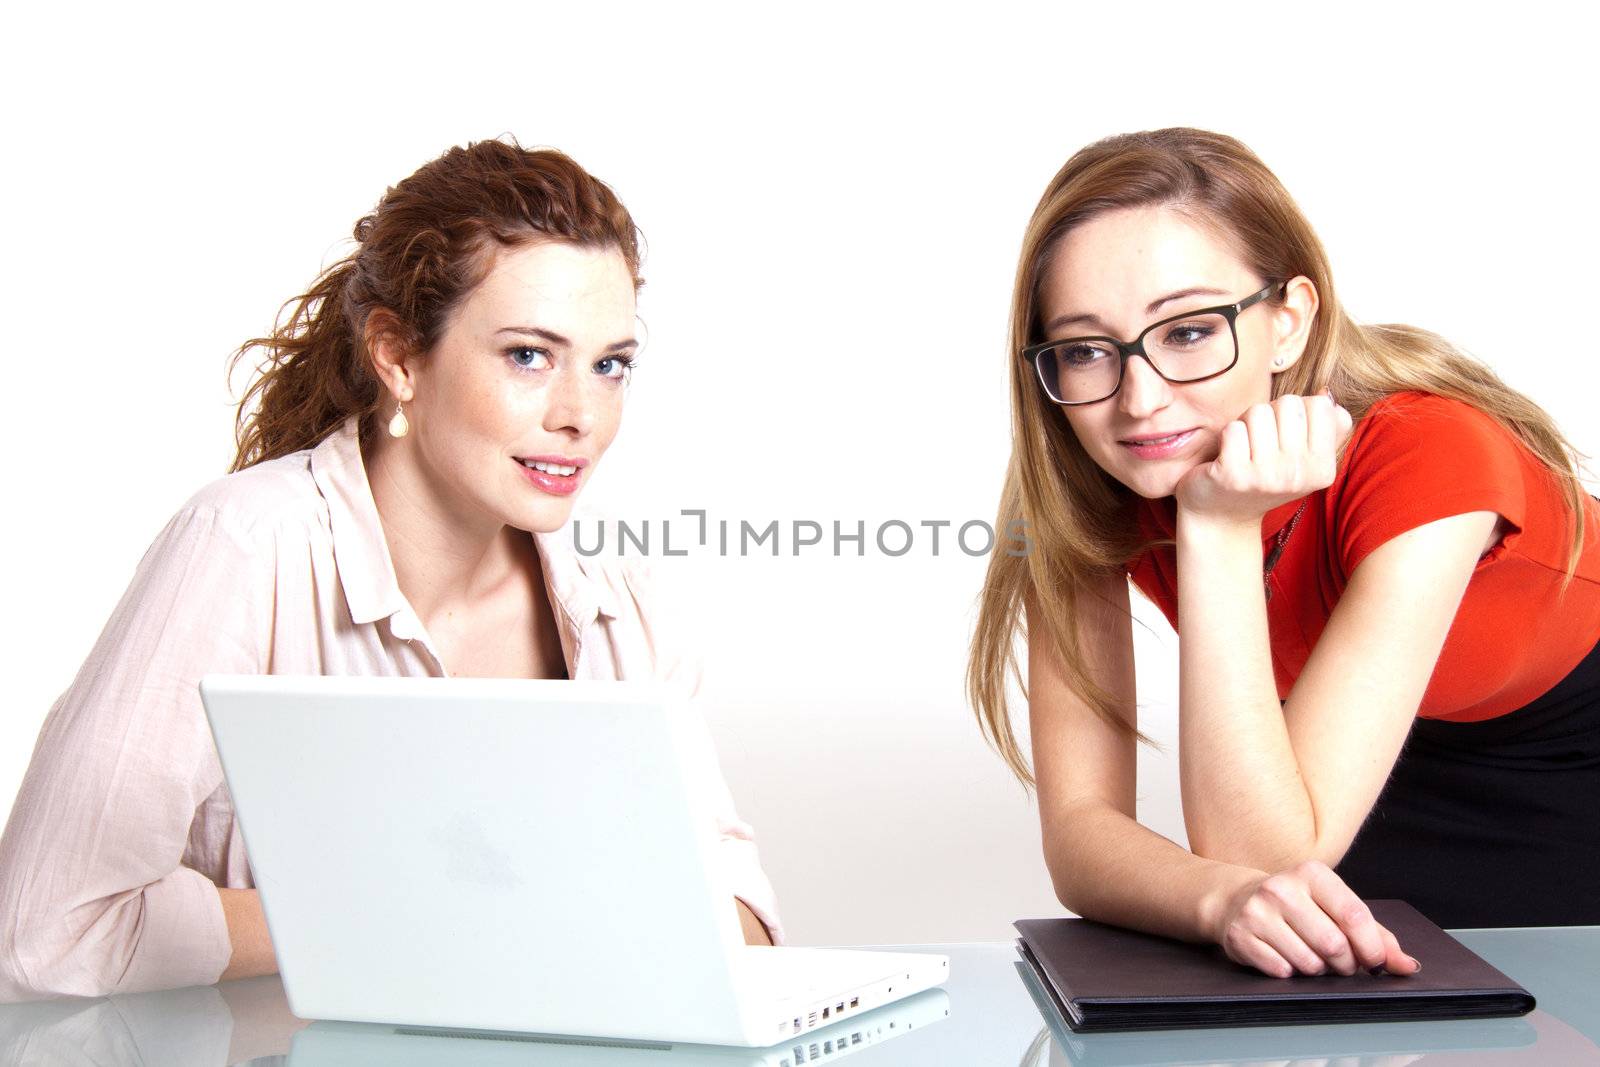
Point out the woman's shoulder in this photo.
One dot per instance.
(1410, 410)
(264, 501)
(1413, 435)
(1418, 457)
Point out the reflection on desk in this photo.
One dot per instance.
(333, 1044)
(207, 1026)
(992, 1020)
(1309, 1044)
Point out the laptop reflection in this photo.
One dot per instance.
(356, 1044)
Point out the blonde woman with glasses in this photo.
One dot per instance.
(1380, 561)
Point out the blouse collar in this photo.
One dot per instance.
(366, 570)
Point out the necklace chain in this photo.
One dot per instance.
(1277, 548)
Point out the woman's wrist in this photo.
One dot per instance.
(1210, 548)
(1217, 525)
(1226, 881)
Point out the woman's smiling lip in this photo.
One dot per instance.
(559, 461)
(550, 481)
(1159, 445)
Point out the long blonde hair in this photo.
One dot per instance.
(1078, 518)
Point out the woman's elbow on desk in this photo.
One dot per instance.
(34, 965)
(164, 935)
(1073, 850)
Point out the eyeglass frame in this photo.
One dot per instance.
(1127, 350)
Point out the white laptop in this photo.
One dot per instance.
(515, 856)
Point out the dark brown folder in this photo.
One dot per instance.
(1105, 978)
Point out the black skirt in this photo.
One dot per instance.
(1493, 823)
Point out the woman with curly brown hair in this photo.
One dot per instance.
(407, 463)
(1380, 561)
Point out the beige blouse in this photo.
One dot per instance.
(123, 828)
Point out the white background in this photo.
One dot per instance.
(833, 205)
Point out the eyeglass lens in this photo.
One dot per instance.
(1078, 372)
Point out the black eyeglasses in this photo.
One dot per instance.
(1190, 347)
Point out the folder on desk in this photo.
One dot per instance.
(1105, 978)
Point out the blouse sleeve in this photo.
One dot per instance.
(94, 898)
(1420, 458)
(678, 665)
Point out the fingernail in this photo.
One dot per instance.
(1415, 962)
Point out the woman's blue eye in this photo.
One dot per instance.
(528, 358)
(614, 366)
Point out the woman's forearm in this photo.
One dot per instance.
(1109, 868)
(1244, 800)
(754, 930)
(247, 931)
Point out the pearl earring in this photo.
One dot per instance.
(398, 426)
(1276, 363)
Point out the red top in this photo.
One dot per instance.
(1416, 458)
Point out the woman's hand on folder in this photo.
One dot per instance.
(1305, 921)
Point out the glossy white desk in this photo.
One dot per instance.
(991, 1019)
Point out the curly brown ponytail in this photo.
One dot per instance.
(426, 245)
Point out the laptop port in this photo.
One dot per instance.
(854, 1001)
